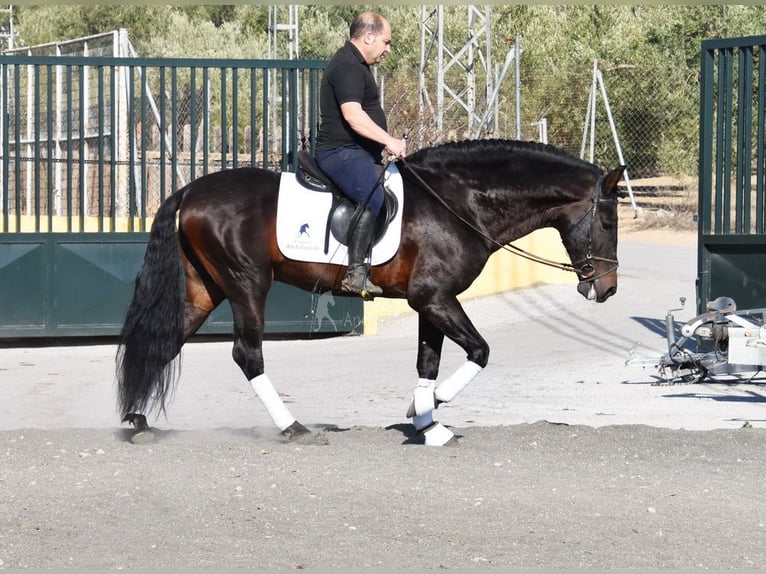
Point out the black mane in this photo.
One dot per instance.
(487, 151)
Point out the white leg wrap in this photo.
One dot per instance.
(450, 388)
(423, 421)
(438, 435)
(423, 399)
(273, 403)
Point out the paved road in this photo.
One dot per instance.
(555, 357)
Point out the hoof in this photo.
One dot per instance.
(143, 437)
(439, 435)
(143, 434)
(295, 430)
(299, 434)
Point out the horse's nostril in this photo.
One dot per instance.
(609, 292)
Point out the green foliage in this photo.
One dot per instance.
(187, 38)
(322, 32)
(218, 15)
(42, 24)
(648, 55)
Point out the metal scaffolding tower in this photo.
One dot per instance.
(290, 49)
(284, 44)
(463, 78)
(456, 72)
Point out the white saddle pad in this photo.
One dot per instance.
(302, 223)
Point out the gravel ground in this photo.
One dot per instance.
(532, 495)
(567, 458)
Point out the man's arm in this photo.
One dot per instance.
(362, 124)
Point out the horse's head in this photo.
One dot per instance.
(590, 239)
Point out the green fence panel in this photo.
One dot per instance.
(90, 147)
(732, 172)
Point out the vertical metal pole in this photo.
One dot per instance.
(83, 150)
(616, 139)
(4, 162)
(36, 163)
(224, 122)
(253, 115)
(517, 57)
(470, 73)
(744, 149)
(206, 120)
(49, 142)
(440, 70)
(760, 180)
(704, 174)
(174, 129)
(85, 146)
(421, 75)
(193, 119)
(100, 139)
(31, 81)
(592, 153)
(113, 75)
(266, 127)
(69, 147)
(234, 117)
(488, 62)
(162, 123)
(725, 136)
(58, 136)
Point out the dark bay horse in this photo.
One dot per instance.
(463, 201)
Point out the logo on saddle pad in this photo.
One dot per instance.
(307, 231)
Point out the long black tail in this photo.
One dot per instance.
(153, 331)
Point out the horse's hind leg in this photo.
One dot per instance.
(248, 311)
(199, 303)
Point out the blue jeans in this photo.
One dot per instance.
(356, 172)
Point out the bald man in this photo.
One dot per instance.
(353, 135)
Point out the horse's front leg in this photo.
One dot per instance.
(435, 321)
(430, 341)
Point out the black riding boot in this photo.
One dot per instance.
(356, 279)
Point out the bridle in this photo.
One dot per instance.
(586, 270)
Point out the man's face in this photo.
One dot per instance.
(377, 46)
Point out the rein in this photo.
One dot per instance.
(587, 268)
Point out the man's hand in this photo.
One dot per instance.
(362, 124)
(396, 147)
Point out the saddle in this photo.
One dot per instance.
(343, 210)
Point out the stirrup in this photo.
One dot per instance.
(358, 281)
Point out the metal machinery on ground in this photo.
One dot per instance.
(723, 340)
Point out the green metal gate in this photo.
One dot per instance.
(732, 172)
(90, 147)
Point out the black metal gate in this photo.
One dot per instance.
(732, 172)
(90, 147)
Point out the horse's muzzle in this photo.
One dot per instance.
(598, 290)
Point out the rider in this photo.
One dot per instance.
(353, 134)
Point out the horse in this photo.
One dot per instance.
(462, 202)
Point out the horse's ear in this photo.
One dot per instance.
(612, 179)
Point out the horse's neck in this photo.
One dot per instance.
(525, 211)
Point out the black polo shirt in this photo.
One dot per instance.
(347, 78)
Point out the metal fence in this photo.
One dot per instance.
(611, 112)
(732, 172)
(95, 144)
